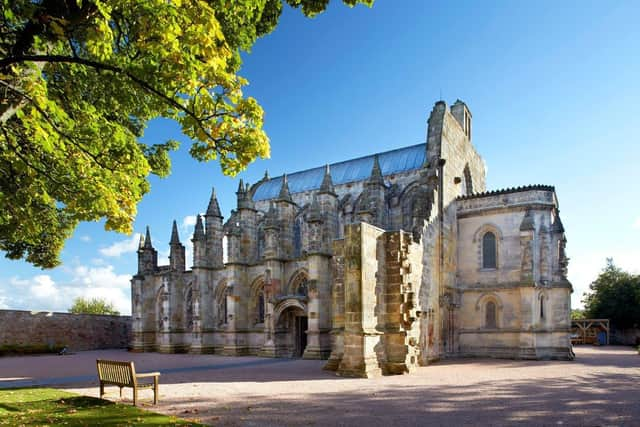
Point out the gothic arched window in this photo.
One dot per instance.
(489, 258)
(225, 305)
(490, 315)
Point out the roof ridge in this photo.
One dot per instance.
(331, 165)
(397, 160)
(509, 190)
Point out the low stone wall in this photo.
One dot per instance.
(625, 336)
(47, 330)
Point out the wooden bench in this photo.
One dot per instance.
(123, 374)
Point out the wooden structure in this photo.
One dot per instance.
(585, 331)
(123, 374)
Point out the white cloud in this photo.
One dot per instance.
(103, 276)
(122, 247)
(41, 292)
(43, 287)
(189, 221)
(103, 282)
(636, 224)
(85, 238)
(37, 293)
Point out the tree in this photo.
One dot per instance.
(614, 295)
(80, 79)
(93, 306)
(577, 313)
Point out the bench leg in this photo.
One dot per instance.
(101, 391)
(135, 396)
(155, 390)
(120, 392)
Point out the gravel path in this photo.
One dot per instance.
(601, 387)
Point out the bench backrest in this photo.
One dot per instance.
(116, 372)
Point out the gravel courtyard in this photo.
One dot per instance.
(601, 387)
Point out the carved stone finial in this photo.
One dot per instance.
(198, 232)
(214, 208)
(147, 239)
(285, 194)
(327, 182)
(244, 196)
(376, 172)
(175, 238)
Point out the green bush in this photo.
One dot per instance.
(17, 349)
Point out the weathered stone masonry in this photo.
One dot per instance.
(24, 329)
(377, 264)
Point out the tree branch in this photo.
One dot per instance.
(100, 66)
(55, 127)
(117, 70)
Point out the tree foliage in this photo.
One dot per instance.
(614, 295)
(92, 306)
(577, 313)
(79, 80)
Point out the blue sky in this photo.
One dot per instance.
(553, 88)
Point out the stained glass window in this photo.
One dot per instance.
(489, 250)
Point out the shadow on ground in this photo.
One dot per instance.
(592, 400)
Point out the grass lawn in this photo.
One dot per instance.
(47, 406)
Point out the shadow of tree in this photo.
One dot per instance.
(598, 388)
(589, 400)
(8, 408)
(46, 407)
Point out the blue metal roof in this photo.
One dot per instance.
(391, 162)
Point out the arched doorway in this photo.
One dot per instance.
(291, 328)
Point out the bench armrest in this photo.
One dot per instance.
(149, 374)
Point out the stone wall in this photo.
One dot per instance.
(529, 296)
(75, 331)
(625, 336)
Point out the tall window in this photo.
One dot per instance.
(225, 305)
(489, 250)
(542, 306)
(261, 306)
(188, 305)
(297, 237)
(490, 320)
(468, 183)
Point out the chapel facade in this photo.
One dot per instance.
(377, 264)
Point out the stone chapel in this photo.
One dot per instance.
(377, 264)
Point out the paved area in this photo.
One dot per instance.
(601, 387)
